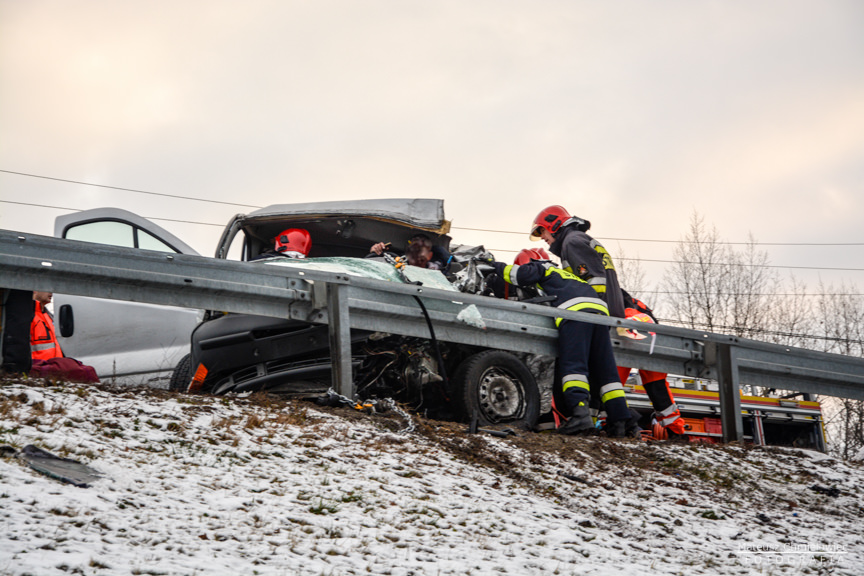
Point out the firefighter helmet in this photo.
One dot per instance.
(294, 242)
(529, 254)
(551, 218)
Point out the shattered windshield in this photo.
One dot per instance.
(376, 269)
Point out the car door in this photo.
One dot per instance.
(129, 342)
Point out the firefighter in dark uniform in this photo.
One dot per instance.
(585, 353)
(587, 258)
(580, 253)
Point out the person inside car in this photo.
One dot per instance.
(421, 253)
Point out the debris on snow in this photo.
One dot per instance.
(255, 484)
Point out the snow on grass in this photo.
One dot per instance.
(206, 485)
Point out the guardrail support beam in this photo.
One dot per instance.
(730, 398)
(340, 339)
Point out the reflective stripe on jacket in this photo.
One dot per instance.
(570, 291)
(589, 260)
(43, 340)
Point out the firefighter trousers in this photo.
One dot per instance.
(586, 365)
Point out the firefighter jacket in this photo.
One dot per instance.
(570, 291)
(588, 259)
(43, 340)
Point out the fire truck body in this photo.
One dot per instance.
(767, 420)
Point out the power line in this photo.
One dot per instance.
(748, 265)
(453, 227)
(79, 210)
(785, 294)
(131, 190)
(492, 249)
(607, 238)
(719, 264)
(715, 327)
(658, 292)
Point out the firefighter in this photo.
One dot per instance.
(666, 412)
(294, 243)
(43, 340)
(291, 243)
(580, 253)
(585, 358)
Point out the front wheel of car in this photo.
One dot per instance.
(499, 389)
(182, 375)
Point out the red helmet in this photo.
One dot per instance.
(529, 254)
(294, 240)
(551, 218)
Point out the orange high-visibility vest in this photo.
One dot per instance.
(43, 340)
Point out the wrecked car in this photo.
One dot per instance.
(242, 353)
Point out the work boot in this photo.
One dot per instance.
(672, 436)
(579, 423)
(624, 428)
(617, 429)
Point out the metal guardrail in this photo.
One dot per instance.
(344, 302)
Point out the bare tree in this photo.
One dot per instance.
(753, 291)
(717, 288)
(714, 287)
(631, 275)
(841, 327)
(791, 317)
(698, 279)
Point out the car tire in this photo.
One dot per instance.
(182, 375)
(499, 389)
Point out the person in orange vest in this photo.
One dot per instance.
(43, 340)
(666, 412)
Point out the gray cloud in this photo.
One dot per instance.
(631, 114)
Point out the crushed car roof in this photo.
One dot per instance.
(417, 212)
(341, 228)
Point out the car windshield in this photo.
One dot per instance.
(379, 270)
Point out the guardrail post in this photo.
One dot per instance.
(730, 398)
(340, 339)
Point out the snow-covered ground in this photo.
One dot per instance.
(204, 485)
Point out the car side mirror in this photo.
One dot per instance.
(66, 320)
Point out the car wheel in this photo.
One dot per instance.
(182, 375)
(499, 388)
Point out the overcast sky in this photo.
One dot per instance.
(631, 114)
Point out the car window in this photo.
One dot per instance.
(149, 242)
(116, 234)
(236, 249)
(112, 233)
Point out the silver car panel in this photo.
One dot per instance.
(129, 342)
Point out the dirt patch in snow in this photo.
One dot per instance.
(263, 484)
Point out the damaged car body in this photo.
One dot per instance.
(242, 353)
